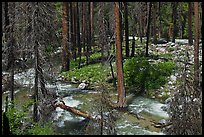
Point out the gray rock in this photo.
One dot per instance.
(173, 78)
(83, 85)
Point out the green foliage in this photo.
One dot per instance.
(41, 129)
(17, 117)
(92, 73)
(139, 74)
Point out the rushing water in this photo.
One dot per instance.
(67, 123)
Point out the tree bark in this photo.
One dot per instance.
(36, 55)
(120, 84)
(175, 28)
(148, 29)
(127, 50)
(78, 36)
(190, 37)
(154, 22)
(196, 45)
(65, 57)
(75, 111)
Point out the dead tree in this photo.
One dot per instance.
(196, 45)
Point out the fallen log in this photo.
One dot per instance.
(75, 111)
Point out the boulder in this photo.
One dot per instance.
(83, 85)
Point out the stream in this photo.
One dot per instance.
(67, 123)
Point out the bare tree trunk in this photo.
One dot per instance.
(91, 24)
(141, 27)
(196, 45)
(7, 22)
(120, 85)
(65, 57)
(83, 26)
(174, 12)
(36, 54)
(190, 37)
(11, 56)
(133, 46)
(127, 50)
(35, 107)
(78, 36)
(148, 29)
(154, 22)
(74, 29)
(160, 26)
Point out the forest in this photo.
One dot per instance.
(102, 68)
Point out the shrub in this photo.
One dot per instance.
(139, 74)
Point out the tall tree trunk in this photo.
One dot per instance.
(196, 45)
(154, 22)
(74, 29)
(120, 85)
(133, 45)
(7, 22)
(190, 37)
(121, 23)
(12, 44)
(35, 107)
(65, 57)
(92, 23)
(88, 38)
(36, 54)
(78, 36)
(127, 50)
(141, 27)
(148, 29)
(83, 26)
(175, 28)
(160, 26)
(134, 26)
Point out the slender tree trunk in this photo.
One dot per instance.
(121, 23)
(91, 23)
(196, 45)
(36, 54)
(120, 85)
(160, 26)
(12, 56)
(190, 37)
(88, 38)
(154, 22)
(35, 107)
(148, 29)
(78, 36)
(12, 67)
(74, 29)
(126, 30)
(65, 57)
(141, 27)
(7, 22)
(83, 26)
(175, 28)
(133, 46)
